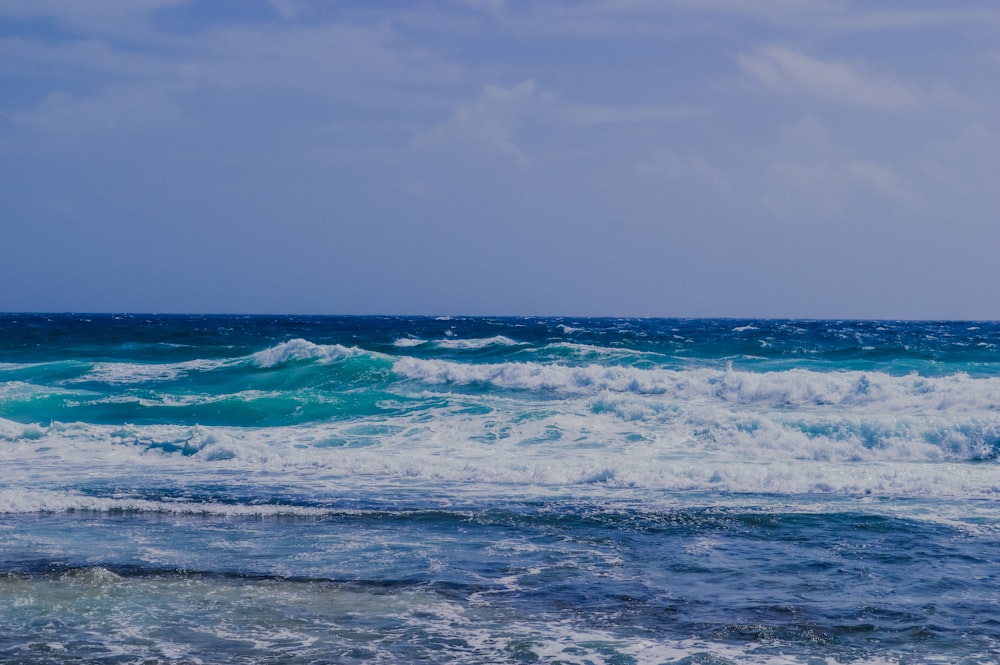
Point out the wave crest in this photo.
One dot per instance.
(301, 349)
(779, 389)
(475, 344)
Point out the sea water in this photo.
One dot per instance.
(229, 489)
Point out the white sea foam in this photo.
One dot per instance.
(290, 351)
(49, 501)
(604, 353)
(300, 349)
(18, 366)
(473, 344)
(278, 620)
(575, 427)
(124, 373)
(516, 448)
(568, 640)
(11, 391)
(408, 342)
(784, 389)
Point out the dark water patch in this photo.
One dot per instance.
(111, 573)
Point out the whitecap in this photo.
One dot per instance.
(301, 349)
(473, 344)
(407, 342)
(124, 373)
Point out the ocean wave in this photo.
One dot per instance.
(588, 444)
(56, 501)
(575, 352)
(301, 349)
(785, 389)
(128, 372)
(14, 391)
(475, 344)
(408, 342)
(9, 367)
(122, 373)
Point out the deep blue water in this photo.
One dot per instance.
(237, 489)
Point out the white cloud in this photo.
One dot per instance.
(882, 180)
(636, 18)
(98, 82)
(626, 115)
(685, 166)
(126, 19)
(780, 11)
(965, 166)
(287, 9)
(490, 121)
(492, 7)
(78, 61)
(830, 80)
(843, 15)
(899, 19)
(333, 59)
(114, 109)
(493, 119)
(808, 172)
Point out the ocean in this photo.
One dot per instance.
(253, 489)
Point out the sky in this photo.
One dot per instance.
(668, 158)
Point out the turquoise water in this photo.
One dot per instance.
(190, 489)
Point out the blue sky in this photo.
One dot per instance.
(776, 158)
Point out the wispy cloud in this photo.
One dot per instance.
(835, 81)
(489, 122)
(651, 18)
(125, 19)
(114, 110)
(808, 171)
(685, 167)
(626, 115)
(597, 121)
(840, 82)
(364, 66)
(861, 19)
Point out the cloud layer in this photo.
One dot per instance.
(648, 158)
